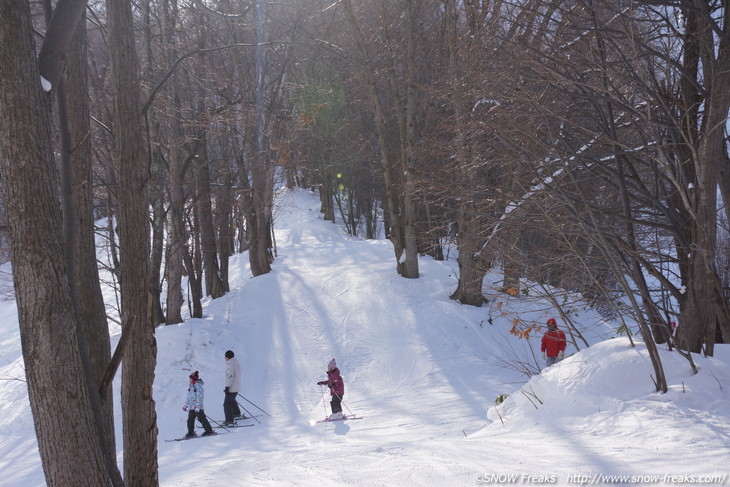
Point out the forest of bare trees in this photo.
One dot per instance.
(578, 145)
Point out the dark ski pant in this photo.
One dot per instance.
(336, 404)
(230, 407)
(201, 417)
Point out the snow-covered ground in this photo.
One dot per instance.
(423, 372)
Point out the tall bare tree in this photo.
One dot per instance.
(468, 223)
(214, 286)
(91, 307)
(177, 233)
(260, 215)
(395, 158)
(48, 325)
(138, 366)
(701, 152)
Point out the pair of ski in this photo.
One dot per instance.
(231, 426)
(185, 438)
(219, 425)
(342, 418)
(237, 423)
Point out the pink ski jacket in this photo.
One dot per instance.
(335, 382)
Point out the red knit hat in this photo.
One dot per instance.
(551, 323)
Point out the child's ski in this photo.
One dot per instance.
(343, 418)
(184, 438)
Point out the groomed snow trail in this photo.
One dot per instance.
(422, 371)
(334, 296)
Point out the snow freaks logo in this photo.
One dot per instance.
(601, 479)
(514, 478)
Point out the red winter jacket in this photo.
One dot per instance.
(335, 382)
(553, 342)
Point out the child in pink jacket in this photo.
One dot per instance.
(337, 388)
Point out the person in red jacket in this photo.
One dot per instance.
(553, 344)
(337, 388)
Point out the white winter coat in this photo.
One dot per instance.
(233, 375)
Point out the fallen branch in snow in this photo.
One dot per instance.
(496, 408)
(719, 384)
(533, 395)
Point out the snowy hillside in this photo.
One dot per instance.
(420, 369)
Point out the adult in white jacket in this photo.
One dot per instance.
(233, 387)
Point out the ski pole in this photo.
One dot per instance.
(216, 422)
(324, 404)
(249, 412)
(267, 414)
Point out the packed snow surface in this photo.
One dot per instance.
(422, 370)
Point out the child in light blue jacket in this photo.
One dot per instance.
(194, 406)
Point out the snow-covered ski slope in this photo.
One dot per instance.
(422, 370)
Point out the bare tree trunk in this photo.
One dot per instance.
(41, 277)
(704, 307)
(91, 308)
(409, 268)
(214, 286)
(225, 241)
(327, 207)
(511, 270)
(58, 38)
(259, 221)
(176, 224)
(469, 288)
(394, 228)
(138, 367)
(245, 208)
(471, 273)
(196, 288)
(158, 234)
(157, 173)
(259, 226)
(177, 236)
